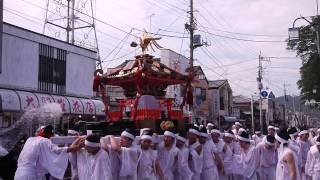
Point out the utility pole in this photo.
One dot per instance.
(285, 101)
(252, 115)
(260, 86)
(1, 31)
(191, 29)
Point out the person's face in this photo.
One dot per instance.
(202, 140)
(209, 128)
(179, 144)
(92, 150)
(271, 131)
(192, 138)
(145, 144)
(237, 127)
(125, 141)
(227, 139)
(168, 141)
(215, 137)
(304, 137)
(244, 145)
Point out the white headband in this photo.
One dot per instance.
(243, 139)
(226, 134)
(278, 138)
(271, 127)
(146, 137)
(168, 133)
(128, 135)
(194, 132)
(237, 123)
(204, 135)
(181, 139)
(303, 132)
(91, 144)
(215, 131)
(72, 132)
(210, 124)
(295, 134)
(269, 143)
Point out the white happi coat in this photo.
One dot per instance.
(235, 147)
(129, 158)
(92, 167)
(183, 171)
(209, 169)
(38, 157)
(304, 147)
(168, 160)
(295, 147)
(114, 163)
(147, 165)
(268, 162)
(196, 162)
(227, 158)
(247, 163)
(312, 167)
(282, 171)
(257, 139)
(219, 147)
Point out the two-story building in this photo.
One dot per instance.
(201, 97)
(37, 69)
(221, 106)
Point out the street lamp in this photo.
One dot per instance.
(294, 32)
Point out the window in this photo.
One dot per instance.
(52, 69)
(203, 94)
(201, 77)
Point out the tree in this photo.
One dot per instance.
(306, 48)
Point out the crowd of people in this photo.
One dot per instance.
(201, 153)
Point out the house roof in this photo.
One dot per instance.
(241, 99)
(198, 69)
(216, 83)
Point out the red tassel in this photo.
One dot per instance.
(97, 83)
(190, 97)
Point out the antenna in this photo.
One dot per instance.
(72, 21)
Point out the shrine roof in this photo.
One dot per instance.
(152, 68)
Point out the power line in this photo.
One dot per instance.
(103, 22)
(246, 34)
(240, 39)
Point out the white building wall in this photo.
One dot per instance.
(79, 75)
(20, 61)
(177, 62)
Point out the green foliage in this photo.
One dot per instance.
(306, 49)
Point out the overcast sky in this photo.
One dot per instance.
(226, 25)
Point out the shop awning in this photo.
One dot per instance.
(9, 100)
(44, 99)
(12, 100)
(76, 106)
(28, 100)
(88, 107)
(99, 107)
(230, 118)
(64, 103)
